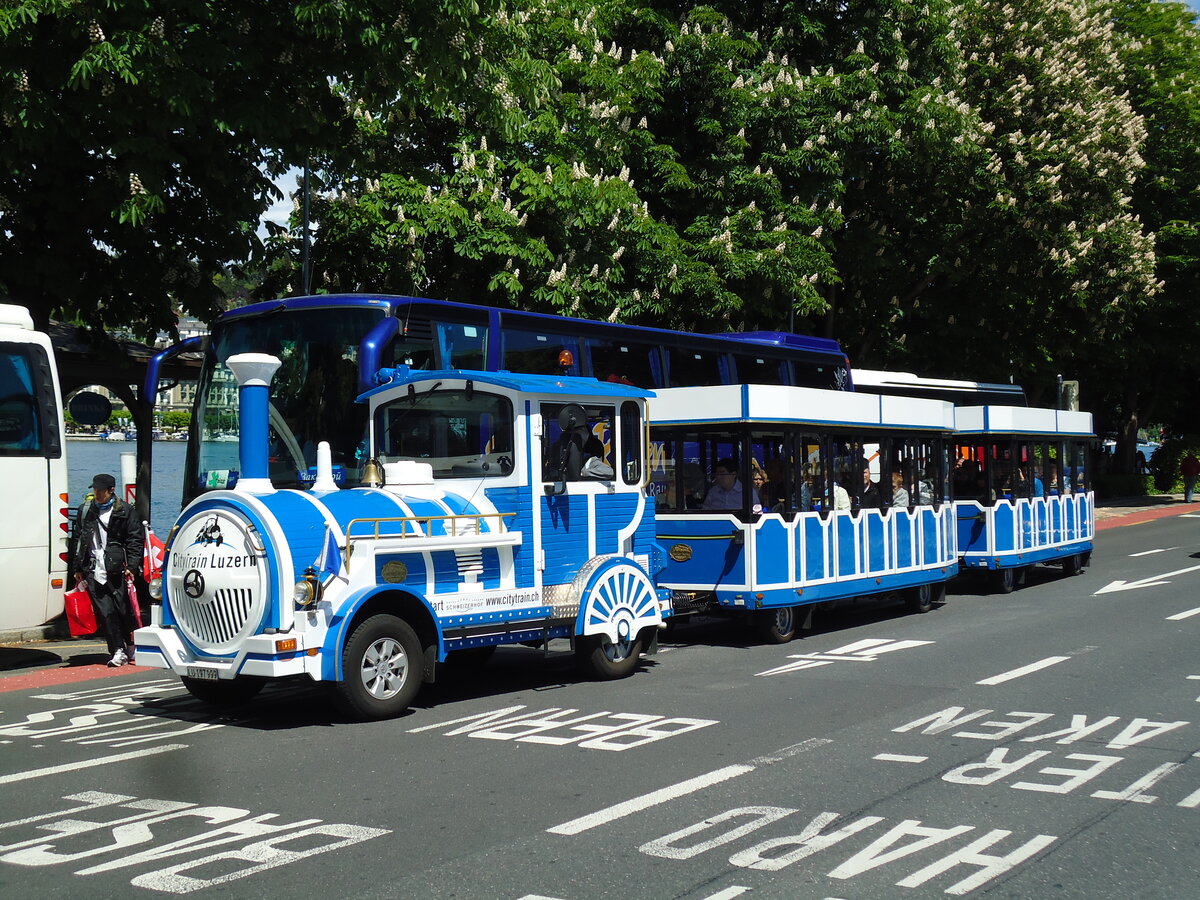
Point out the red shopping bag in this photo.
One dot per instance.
(131, 593)
(81, 618)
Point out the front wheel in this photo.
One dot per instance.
(381, 669)
(775, 626)
(606, 660)
(224, 693)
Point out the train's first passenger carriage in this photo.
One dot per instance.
(496, 508)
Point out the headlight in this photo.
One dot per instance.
(154, 587)
(307, 591)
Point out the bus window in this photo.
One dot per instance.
(462, 346)
(753, 369)
(626, 362)
(687, 367)
(538, 353)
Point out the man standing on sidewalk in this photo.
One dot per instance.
(1189, 468)
(106, 539)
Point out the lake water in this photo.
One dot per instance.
(86, 459)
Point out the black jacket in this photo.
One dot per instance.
(124, 547)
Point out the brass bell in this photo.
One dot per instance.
(372, 474)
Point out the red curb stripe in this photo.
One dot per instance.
(1148, 515)
(66, 675)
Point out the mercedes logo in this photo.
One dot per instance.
(193, 584)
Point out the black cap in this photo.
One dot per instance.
(103, 481)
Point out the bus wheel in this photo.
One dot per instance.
(920, 598)
(381, 669)
(775, 626)
(1005, 580)
(605, 660)
(224, 693)
(1073, 565)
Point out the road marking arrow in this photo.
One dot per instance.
(1144, 582)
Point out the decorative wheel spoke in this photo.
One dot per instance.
(384, 667)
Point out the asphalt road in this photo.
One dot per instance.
(1040, 744)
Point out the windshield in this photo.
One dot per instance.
(312, 397)
(20, 429)
(461, 434)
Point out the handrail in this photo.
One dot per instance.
(375, 535)
(405, 535)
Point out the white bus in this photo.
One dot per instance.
(33, 470)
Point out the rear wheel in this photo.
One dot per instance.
(920, 598)
(606, 660)
(381, 669)
(1005, 580)
(775, 626)
(224, 693)
(1073, 565)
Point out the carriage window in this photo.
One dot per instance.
(577, 442)
(631, 442)
(969, 474)
(664, 482)
(770, 479)
(812, 485)
(460, 434)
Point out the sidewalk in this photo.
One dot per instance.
(49, 647)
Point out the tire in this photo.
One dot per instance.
(775, 626)
(224, 693)
(1005, 580)
(1072, 565)
(602, 659)
(920, 598)
(382, 666)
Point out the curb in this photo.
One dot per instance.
(1145, 515)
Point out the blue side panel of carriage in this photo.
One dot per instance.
(715, 559)
(1040, 530)
(863, 558)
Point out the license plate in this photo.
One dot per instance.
(201, 674)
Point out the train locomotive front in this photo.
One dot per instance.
(368, 588)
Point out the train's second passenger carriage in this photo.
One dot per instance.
(496, 508)
(1022, 488)
(771, 498)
